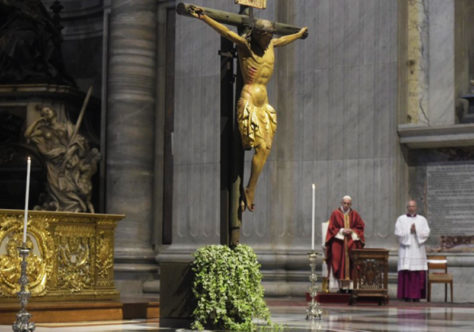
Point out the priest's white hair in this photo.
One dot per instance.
(347, 197)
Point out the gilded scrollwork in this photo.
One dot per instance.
(371, 273)
(74, 272)
(104, 260)
(10, 267)
(39, 261)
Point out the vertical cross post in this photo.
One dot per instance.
(227, 54)
(232, 154)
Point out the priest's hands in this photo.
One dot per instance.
(413, 229)
(347, 231)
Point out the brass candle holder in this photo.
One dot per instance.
(313, 312)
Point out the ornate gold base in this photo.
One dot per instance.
(103, 296)
(63, 312)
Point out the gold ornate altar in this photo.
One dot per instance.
(71, 258)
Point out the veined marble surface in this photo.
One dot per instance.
(397, 316)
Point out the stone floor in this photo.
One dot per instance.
(290, 314)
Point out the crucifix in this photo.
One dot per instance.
(254, 122)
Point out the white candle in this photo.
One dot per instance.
(27, 194)
(312, 219)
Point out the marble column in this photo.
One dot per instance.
(130, 136)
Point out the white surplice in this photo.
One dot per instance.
(412, 253)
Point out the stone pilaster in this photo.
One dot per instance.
(417, 60)
(441, 62)
(429, 66)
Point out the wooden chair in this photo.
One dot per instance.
(439, 262)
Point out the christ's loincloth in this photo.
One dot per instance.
(256, 124)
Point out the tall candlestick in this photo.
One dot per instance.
(312, 219)
(27, 195)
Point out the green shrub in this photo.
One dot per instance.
(228, 290)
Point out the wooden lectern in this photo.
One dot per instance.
(370, 274)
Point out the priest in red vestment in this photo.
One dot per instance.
(345, 232)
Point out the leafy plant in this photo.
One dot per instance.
(228, 290)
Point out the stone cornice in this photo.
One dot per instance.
(423, 137)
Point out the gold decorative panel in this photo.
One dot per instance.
(71, 256)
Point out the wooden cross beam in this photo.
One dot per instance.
(237, 20)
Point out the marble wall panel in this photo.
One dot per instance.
(335, 139)
(309, 112)
(384, 127)
(351, 24)
(336, 32)
(319, 21)
(385, 26)
(195, 205)
(365, 195)
(351, 180)
(391, 23)
(351, 111)
(335, 177)
(196, 136)
(321, 101)
(366, 124)
(366, 37)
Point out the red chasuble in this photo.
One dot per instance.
(338, 250)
